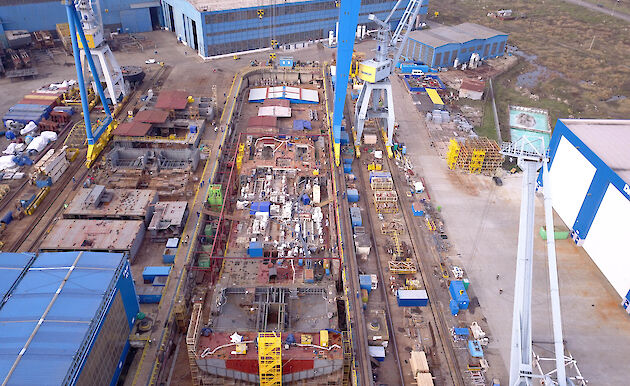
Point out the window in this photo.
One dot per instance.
(501, 48)
(454, 55)
(486, 50)
(494, 49)
(446, 57)
(479, 47)
(438, 59)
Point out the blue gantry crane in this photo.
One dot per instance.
(81, 15)
(348, 19)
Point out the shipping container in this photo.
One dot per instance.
(149, 294)
(365, 282)
(458, 293)
(149, 273)
(168, 257)
(355, 216)
(412, 298)
(353, 195)
(255, 249)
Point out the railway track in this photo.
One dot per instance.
(52, 205)
(381, 277)
(421, 248)
(60, 191)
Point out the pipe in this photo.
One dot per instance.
(205, 352)
(70, 11)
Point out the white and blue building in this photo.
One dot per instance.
(442, 46)
(65, 317)
(590, 177)
(215, 28)
(127, 16)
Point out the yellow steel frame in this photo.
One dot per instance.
(453, 154)
(97, 148)
(239, 157)
(406, 267)
(269, 359)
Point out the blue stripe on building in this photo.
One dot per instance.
(604, 176)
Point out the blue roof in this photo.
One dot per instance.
(71, 319)
(12, 266)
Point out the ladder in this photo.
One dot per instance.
(269, 359)
(191, 343)
(347, 357)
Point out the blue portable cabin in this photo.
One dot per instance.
(255, 249)
(365, 282)
(353, 195)
(355, 216)
(151, 272)
(412, 298)
(458, 293)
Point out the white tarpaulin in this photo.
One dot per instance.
(6, 162)
(294, 94)
(31, 126)
(274, 111)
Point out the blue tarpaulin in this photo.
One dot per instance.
(259, 206)
(301, 124)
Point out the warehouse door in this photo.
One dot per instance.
(607, 239)
(194, 34)
(136, 20)
(171, 17)
(156, 17)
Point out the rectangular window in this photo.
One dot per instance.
(486, 50)
(479, 48)
(454, 55)
(494, 49)
(446, 58)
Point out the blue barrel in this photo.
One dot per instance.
(10, 135)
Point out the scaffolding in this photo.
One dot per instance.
(381, 183)
(269, 359)
(347, 357)
(191, 343)
(475, 155)
(386, 201)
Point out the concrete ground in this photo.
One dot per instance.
(482, 223)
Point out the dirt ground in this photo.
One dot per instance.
(578, 57)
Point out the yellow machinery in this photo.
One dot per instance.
(406, 267)
(30, 209)
(239, 156)
(269, 359)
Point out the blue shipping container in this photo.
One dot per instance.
(458, 293)
(412, 298)
(168, 257)
(353, 195)
(255, 249)
(149, 273)
(475, 349)
(355, 217)
(365, 282)
(149, 294)
(452, 305)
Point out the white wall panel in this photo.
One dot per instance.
(571, 175)
(608, 240)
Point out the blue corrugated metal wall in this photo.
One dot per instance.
(136, 20)
(45, 15)
(444, 56)
(236, 30)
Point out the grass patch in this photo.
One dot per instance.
(560, 35)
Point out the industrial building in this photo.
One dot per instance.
(98, 203)
(590, 174)
(446, 46)
(36, 15)
(65, 317)
(95, 235)
(214, 27)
